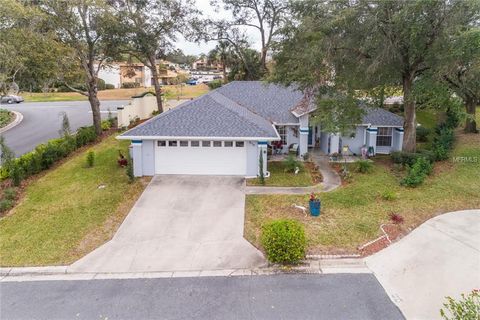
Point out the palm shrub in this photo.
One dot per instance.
(129, 171)
(261, 176)
(364, 166)
(291, 163)
(284, 241)
(90, 159)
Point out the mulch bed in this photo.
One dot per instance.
(314, 172)
(394, 232)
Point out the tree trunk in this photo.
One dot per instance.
(156, 84)
(224, 65)
(263, 60)
(471, 124)
(95, 105)
(410, 134)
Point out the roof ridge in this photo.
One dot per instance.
(238, 106)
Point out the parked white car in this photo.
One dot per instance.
(11, 99)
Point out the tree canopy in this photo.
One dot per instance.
(352, 47)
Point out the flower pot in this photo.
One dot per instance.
(314, 207)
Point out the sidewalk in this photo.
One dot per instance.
(330, 181)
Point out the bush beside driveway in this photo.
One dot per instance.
(64, 214)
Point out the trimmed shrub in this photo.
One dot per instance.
(45, 155)
(90, 159)
(389, 195)
(101, 84)
(408, 159)
(85, 135)
(106, 125)
(291, 163)
(422, 134)
(130, 85)
(109, 86)
(16, 174)
(284, 241)
(417, 173)
(10, 194)
(364, 166)
(5, 205)
(214, 84)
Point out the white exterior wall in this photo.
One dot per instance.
(252, 158)
(148, 157)
(355, 144)
(397, 139)
(111, 75)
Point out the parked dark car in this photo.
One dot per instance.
(11, 99)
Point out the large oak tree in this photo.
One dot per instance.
(362, 44)
(148, 28)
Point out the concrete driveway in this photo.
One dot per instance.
(180, 223)
(438, 259)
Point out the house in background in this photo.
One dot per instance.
(123, 74)
(226, 131)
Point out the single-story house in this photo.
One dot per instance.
(224, 132)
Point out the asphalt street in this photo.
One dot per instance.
(334, 296)
(42, 121)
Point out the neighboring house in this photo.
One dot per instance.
(119, 73)
(110, 74)
(224, 132)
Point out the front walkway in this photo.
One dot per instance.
(330, 180)
(438, 259)
(180, 223)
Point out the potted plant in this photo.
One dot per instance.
(314, 205)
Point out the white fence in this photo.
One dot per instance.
(141, 108)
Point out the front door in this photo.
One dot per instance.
(310, 136)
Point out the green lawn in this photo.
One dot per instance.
(64, 214)
(352, 214)
(51, 97)
(427, 118)
(280, 178)
(5, 117)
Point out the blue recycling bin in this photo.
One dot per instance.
(315, 207)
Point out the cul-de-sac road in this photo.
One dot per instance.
(42, 121)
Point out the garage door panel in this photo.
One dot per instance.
(201, 160)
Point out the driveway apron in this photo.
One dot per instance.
(180, 223)
(438, 259)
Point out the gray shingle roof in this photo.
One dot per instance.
(241, 109)
(382, 117)
(272, 102)
(211, 115)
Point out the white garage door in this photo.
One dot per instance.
(201, 157)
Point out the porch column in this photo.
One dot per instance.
(397, 139)
(137, 158)
(303, 141)
(262, 150)
(334, 143)
(372, 138)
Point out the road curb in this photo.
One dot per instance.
(14, 123)
(325, 266)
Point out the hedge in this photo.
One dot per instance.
(45, 155)
(284, 241)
